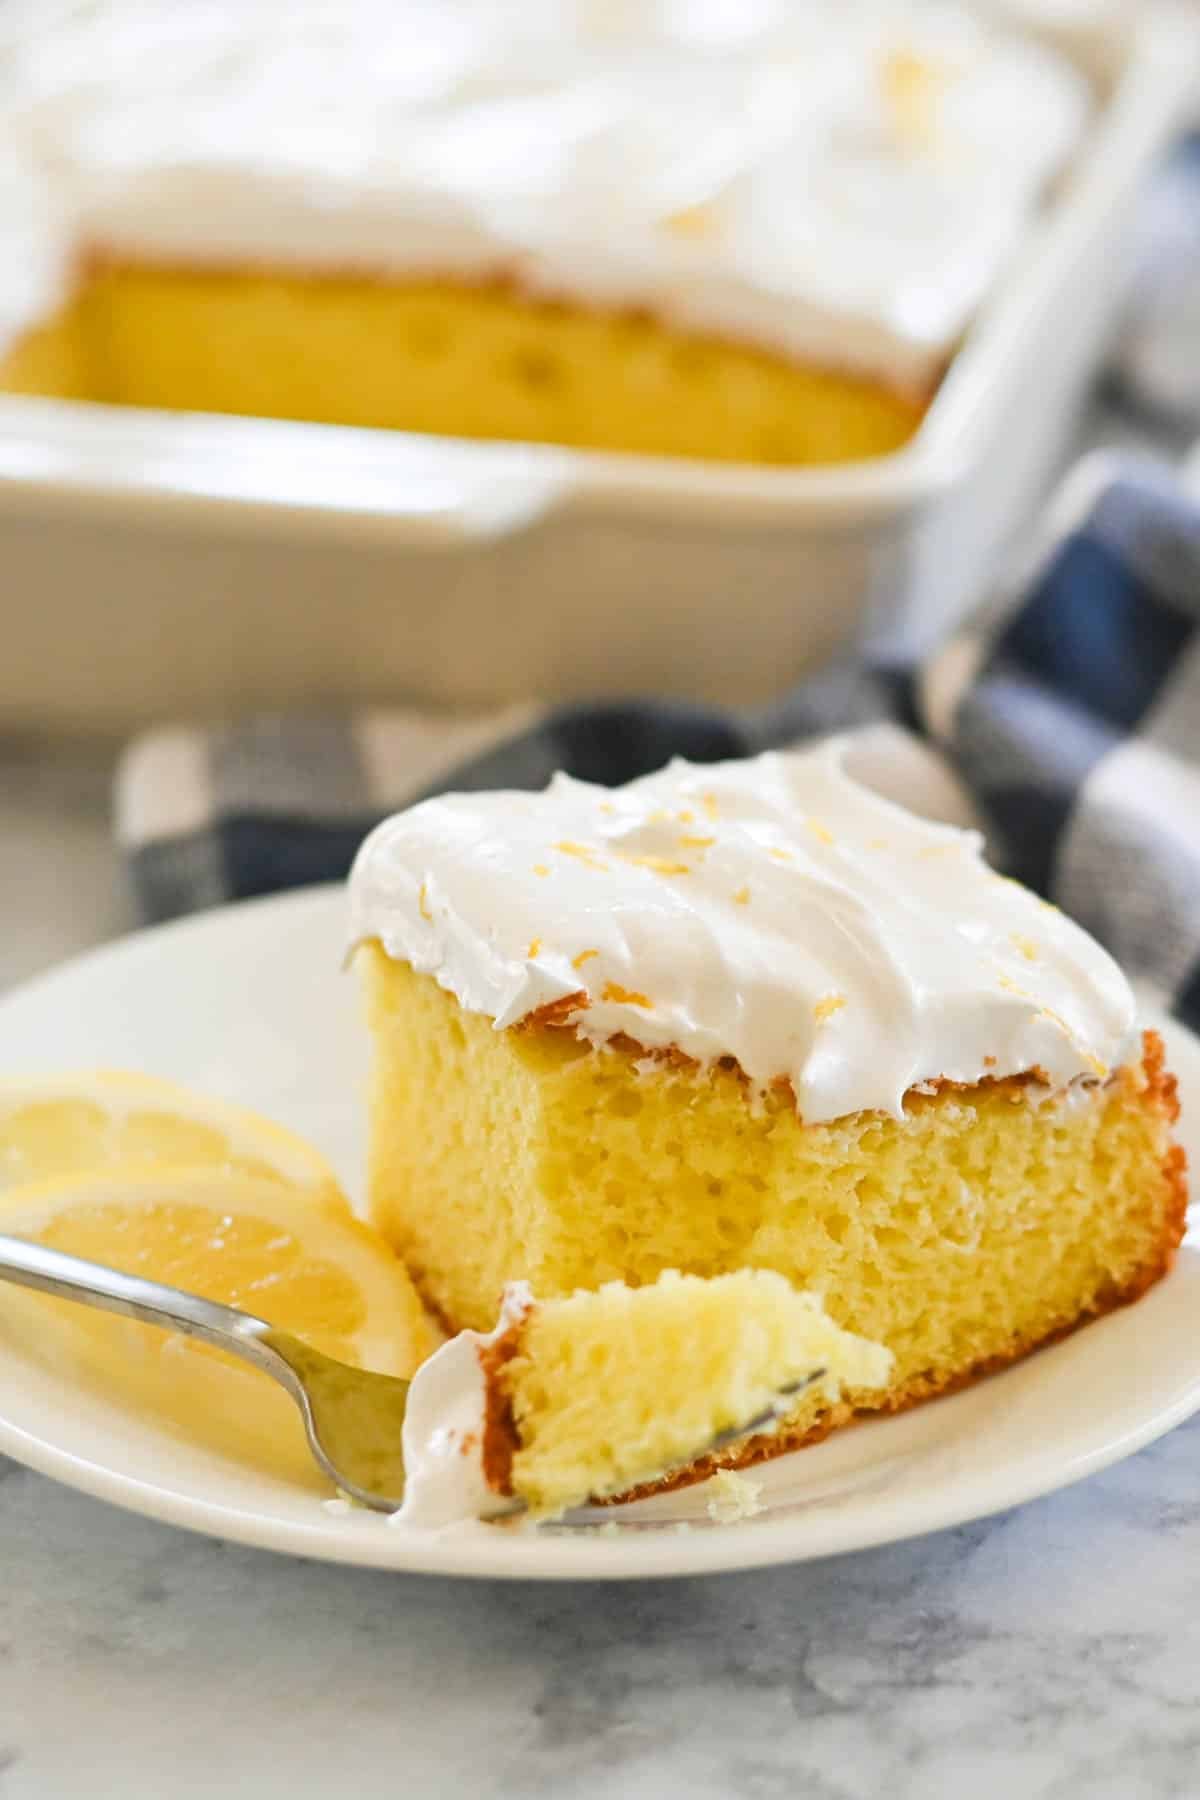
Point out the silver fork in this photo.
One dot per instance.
(352, 1418)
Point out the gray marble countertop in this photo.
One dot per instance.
(1049, 1653)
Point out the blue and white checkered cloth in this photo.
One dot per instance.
(1068, 726)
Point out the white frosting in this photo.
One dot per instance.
(776, 910)
(444, 1482)
(34, 246)
(833, 179)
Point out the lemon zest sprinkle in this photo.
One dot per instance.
(698, 221)
(622, 996)
(583, 853)
(662, 865)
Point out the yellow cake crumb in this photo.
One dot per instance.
(733, 1497)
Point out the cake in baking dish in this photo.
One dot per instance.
(756, 1016)
(748, 234)
(583, 1398)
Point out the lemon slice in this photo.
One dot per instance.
(54, 1125)
(300, 1260)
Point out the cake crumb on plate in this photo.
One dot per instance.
(734, 1497)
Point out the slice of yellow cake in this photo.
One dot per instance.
(755, 1016)
(577, 1399)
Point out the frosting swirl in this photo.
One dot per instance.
(775, 910)
(444, 1422)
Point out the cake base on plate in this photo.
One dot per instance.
(986, 1221)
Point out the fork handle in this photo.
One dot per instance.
(33, 1265)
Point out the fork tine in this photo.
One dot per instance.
(761, 1421)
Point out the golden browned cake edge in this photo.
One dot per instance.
(501, 1439)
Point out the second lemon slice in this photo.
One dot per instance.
(65, 1124)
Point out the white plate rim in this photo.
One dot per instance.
(799, 1534)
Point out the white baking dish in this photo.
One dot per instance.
(154, 563)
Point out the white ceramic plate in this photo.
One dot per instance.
(249, 1003)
